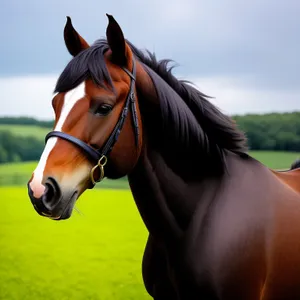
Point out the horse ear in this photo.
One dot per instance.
(116, 41)
(74, 42)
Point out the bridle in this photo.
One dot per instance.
(100, 155)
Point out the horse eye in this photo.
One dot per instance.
(103, 110)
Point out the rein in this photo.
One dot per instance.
(100, 155)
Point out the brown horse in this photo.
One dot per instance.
(221, 225)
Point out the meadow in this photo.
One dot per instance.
(26, 130)
(96, 254)
(19, 173)
(275, 159)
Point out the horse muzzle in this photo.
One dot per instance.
(53, 203)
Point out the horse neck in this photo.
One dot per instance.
(165, 196)
(165, 201)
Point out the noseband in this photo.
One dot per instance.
(100, 155)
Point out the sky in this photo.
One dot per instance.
(245, 54)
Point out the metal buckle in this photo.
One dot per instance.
(101, 163)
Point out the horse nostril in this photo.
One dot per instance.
(51, 195)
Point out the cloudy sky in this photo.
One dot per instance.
(246, 54)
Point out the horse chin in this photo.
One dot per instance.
(67, 213)
(67, 208)
(64, 216)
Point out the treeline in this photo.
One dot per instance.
(25, 121)
(275, 131)
(15, 148)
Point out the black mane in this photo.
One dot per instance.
(219, 128)
(189, 118)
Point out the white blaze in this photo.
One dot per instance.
(70, 99)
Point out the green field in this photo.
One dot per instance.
(19, 173)
(276, 160)
(26, 130)
(94, 255)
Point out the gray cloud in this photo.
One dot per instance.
(204, 37)
(255, 43)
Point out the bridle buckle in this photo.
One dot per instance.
(101, 163)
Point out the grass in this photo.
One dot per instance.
(96, 255)
(276, 160)
(19, 173)
(26, 130)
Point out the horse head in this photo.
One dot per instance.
(97, 131)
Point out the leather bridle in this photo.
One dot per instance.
(100, 155)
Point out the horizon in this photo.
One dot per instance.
(233, 115)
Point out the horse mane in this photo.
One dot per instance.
(295, 164)
(190, 120)
(218, 128)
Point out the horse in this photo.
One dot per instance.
(221, 225)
